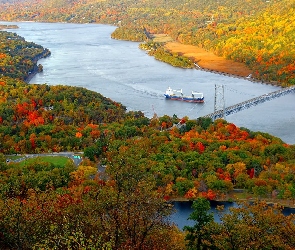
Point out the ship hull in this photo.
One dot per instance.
(184, 98)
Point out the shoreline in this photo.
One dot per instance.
(232, 197)
(267, 201)
(204, 60)
(8, 26)
(209, 62)
(36, 69)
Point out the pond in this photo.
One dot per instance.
(184, 209)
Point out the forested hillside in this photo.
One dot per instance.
(257, 33)
(146, 162)
(53, 206)
(42, 118)
(15, 52)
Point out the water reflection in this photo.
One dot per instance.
(184, 209)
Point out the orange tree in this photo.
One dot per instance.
(254, 226)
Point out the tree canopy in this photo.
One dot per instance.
(146, 162)
(258, 33)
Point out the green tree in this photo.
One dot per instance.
(196, 234)
(92, 152)
(3, 164)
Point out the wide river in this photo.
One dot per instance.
(85, 55)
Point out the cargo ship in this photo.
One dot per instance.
(196, 97)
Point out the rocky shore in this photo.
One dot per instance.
(37, 68)
(4, 26)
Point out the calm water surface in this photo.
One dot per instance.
(84, 55)
(184, 209)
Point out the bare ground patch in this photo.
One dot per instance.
(161, 38)
(209, 61)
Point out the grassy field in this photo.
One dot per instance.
(161, 38)
(13, 157)
(56, 160)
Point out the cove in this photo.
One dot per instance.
(184, 208)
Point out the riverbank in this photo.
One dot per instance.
(6, 26)
(239, 195)
(37, 68)
(208, 61)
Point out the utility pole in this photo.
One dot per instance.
(219, 101)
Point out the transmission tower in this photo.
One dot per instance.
(219, 101)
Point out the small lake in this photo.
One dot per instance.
(184, 209)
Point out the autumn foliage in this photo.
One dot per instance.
(259, 34)
(146, 163)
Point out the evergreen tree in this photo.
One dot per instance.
(202, 217)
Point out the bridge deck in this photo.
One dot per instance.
(252, 102)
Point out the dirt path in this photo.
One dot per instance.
(208, 61)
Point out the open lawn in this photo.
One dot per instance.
(14, 157)
(56, 160)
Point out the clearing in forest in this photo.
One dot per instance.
(207, 60)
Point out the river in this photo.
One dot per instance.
(84, 55)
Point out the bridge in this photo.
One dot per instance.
(250, 103)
